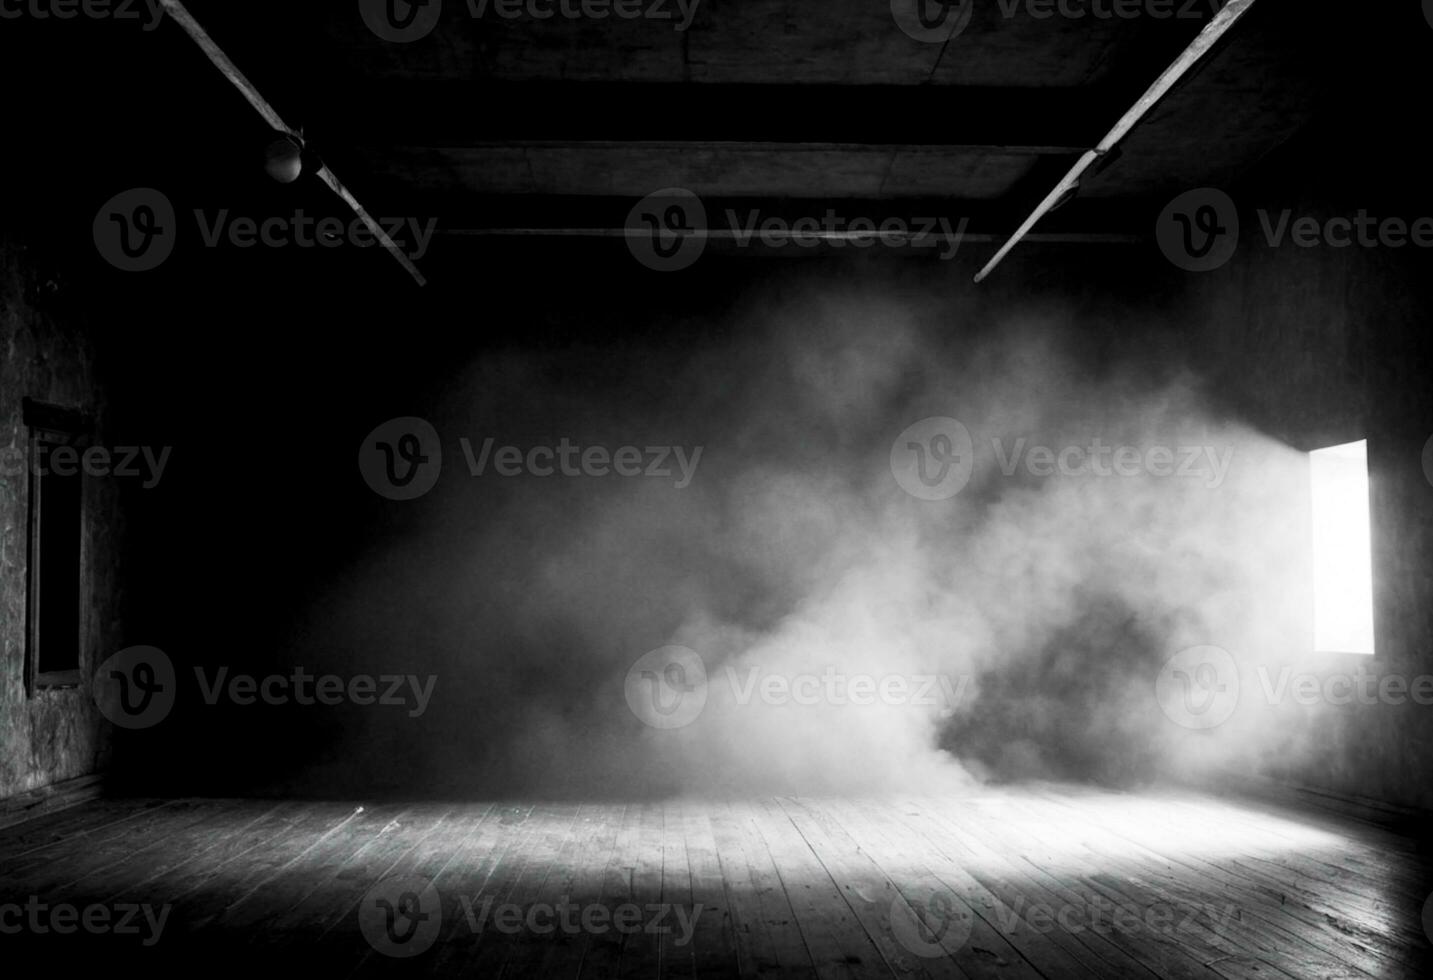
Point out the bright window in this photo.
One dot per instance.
(1343, 552)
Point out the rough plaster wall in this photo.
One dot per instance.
(44, 355)
(1322, 346)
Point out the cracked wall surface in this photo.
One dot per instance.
(45, 354)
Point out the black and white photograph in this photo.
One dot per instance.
(699, 489)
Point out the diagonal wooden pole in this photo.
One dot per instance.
(182, 17)
(1198, 48)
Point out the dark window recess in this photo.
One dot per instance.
(56, 520)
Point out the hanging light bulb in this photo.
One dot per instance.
(283, 158)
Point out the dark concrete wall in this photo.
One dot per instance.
(45, 355)
(1322, 345)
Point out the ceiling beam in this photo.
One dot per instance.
(730, 218)
(1033, 121)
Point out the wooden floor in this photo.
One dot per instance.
(1044, 882)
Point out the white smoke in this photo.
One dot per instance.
(1043, 606)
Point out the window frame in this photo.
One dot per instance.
(1367, 475)
(55, 426)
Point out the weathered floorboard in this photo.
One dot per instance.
(1043, 882)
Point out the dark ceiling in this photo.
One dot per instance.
(491, 122)
(764, 99)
